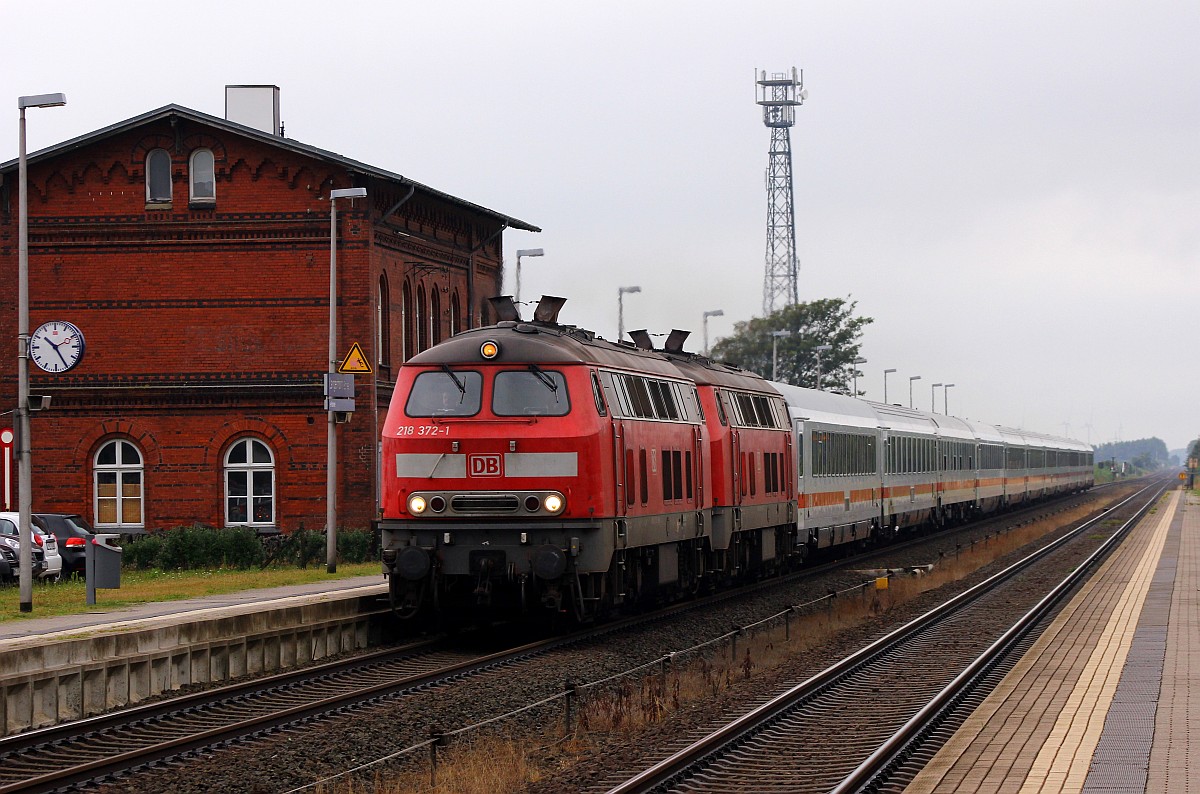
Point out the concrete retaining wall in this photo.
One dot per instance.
(69, 675)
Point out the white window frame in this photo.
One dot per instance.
(249, 468)
(194, 174)
(122, 469)
(151, 171)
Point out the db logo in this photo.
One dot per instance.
(484, 465)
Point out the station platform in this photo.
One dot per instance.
(101, 620)
(1103, 700)
(65, 667)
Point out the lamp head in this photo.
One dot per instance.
(530, 252)
(629, 289)
(888, 371)
(348, 192)
(41, 101)
(715, 313)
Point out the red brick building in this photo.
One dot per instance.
(193, 253)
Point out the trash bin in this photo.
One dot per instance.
(102, 562)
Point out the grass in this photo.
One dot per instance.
(69, 597)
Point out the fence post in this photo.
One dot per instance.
(569, 700)
(436, 739)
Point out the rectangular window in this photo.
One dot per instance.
(687, 467)
(644, 477)
(666, 475)
(629, 477)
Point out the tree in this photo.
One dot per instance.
(829, 321)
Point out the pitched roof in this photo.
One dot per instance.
(167, 111)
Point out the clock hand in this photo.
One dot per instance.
(60, 355)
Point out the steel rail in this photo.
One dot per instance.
(676, 764)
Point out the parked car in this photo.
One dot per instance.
(45, 546)
(73, 533)
(10, 550)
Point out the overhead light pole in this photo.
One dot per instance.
(621, 291)
(24, 449)
(886, 372)
(775, 336)
(857, 361)
(520, 253)
(712, 313)
(910, 383)
(933, 397)
(331, 436)
(819, 349)
(946, 398)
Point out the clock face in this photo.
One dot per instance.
(56, 346)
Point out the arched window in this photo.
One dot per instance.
(202, 177)
(117, 474)
(249, 484)
(383, 323)
(158, 176)
(455, 314)
(422, 322)
(435, 316)
(406, 320)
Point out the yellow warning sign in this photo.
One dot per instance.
(355, 361)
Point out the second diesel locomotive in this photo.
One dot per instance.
(535, 465)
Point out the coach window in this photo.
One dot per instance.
(158, 177)
(202, 177)
(249, 484)
(117, 479)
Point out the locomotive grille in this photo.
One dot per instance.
(492, 503)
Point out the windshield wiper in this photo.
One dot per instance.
(548, 381)
(462, 389)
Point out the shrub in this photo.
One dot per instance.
(141, 552)
(354, 545)
(197, 546)
(241, 548)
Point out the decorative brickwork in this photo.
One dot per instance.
(208, 324)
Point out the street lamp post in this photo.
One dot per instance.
(23, 447)
(713, 313)
(819, 349)
(775, 335)
(946, 398)
(910, 383)
(933, 397)
(886, 372)
(621, 308)
(520, 253)
(857, 361)
(331, 435)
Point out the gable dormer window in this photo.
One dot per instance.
(202, 178)
(158, 177)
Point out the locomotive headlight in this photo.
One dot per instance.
(554, 503)
(489, 349)
(416, 504)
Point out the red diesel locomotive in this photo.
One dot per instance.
(536, 465)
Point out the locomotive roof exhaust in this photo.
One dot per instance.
(641, 339)
(547, 309)
(675, 340)
(505, 308)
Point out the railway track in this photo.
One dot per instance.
(848, 727)
(105, 747)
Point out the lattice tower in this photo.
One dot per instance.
(779, 95)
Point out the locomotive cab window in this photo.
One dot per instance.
(447, 392)
(531, 392)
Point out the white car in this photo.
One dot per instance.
(47, 543)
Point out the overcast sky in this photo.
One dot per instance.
(1010, 189)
